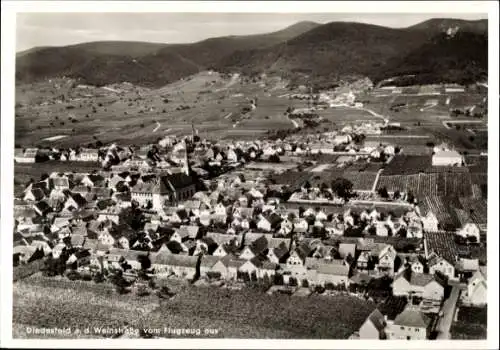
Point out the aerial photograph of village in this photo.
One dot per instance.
(306, 176)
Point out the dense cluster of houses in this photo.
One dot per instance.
(155, 202)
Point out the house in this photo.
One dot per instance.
(74, 202)
(33, 194)
(334, 228)
(382, 230)
(28, 156)
(476, 293)
(278, 254)
(222, 238)
(94, 180)
(257, 248)
(60, 183)
(335, 272)
(470, 230)
(300, 225)
(416, 263)
(447, 158)
(430, 222)
(228, 267)
(346, 249)
(258, 267)
(178, 265)
(411, 324)
(437, 263)
(386, 258)
(422, 285)
(373, 327)
(87, 155)
(207, 263)
(296, 261)
(269, 222)
(79, 258)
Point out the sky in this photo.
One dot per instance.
(60, 29)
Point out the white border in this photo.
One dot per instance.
(7, 147)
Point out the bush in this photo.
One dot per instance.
(73, 275)
(292, 282)
(213, 275)
(319, 289)
(305, 283)
(329, 286)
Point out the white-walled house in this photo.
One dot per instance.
(469, 230)
(476, 293)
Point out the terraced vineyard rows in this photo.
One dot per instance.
(418, 184)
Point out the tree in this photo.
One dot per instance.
(292, 282)
(382, 192)
(145, 262)
(133, 216)
(278, 279)
(305, 283)
(396, 194)
(410, 197)
(98, 277)
(274, 158)
(342, 188)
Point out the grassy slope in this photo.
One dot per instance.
(244, 314)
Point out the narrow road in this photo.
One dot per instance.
(368, 202)
(374, 187)
(158, 125)
(433, 104)
(375, 114)
(449, 307)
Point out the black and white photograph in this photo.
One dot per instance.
(253, 174)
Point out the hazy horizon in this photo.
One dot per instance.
(62, 29)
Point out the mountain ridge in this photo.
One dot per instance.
(305, 49)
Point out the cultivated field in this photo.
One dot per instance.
(471, 323)
(129, 114)
(39, 301)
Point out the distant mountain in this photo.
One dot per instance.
(438, 25)
(306, 50)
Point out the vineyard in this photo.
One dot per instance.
(419, 184)
(455, 184)
(477, 209)
(262, 315)
(361, 180)
(57, 302)
(471, 324)
(408, 164)
(444, 214)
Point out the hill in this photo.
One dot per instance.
(305, 52)
(438, 25)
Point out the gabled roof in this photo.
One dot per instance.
(209, 261)
(222, 238)
(190, 231)
(37, 193)
(336, 269)
(411, 317)
(280, 251)
(392, 306)
(77, 240)
(377, 319)
(231, 261)
(259, 245)
(168, 259)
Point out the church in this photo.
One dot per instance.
(166, 190)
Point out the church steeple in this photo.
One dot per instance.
(186, 167)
